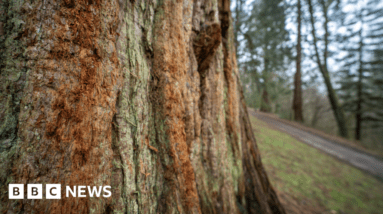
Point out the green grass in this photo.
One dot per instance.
(308, 174)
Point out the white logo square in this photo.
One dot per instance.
(53, 191)
(35, 191)
(16, 191)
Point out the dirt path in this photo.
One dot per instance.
(358, 159)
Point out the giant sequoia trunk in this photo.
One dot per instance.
(139, 95)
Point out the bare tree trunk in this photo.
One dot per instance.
(358, 122)
(265, 102)
(143, 96)
(338, 112)
(297, 102)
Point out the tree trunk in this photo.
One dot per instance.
(265, 102)
(297, 102)
(337, 110)
(358, 121)
(143, 96)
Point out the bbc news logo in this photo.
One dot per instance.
(53, 191)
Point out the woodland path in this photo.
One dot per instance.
(351, 156)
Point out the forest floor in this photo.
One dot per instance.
(308, 180)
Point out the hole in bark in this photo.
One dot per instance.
(108, 210)
(69, 3)
(206, 44)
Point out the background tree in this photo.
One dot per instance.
(322, 62)
(297, 101)
(352, 81)
(264, 47)
(359, 62)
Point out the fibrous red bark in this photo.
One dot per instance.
(143, 96)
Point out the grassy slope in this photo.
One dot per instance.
(314, 178)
